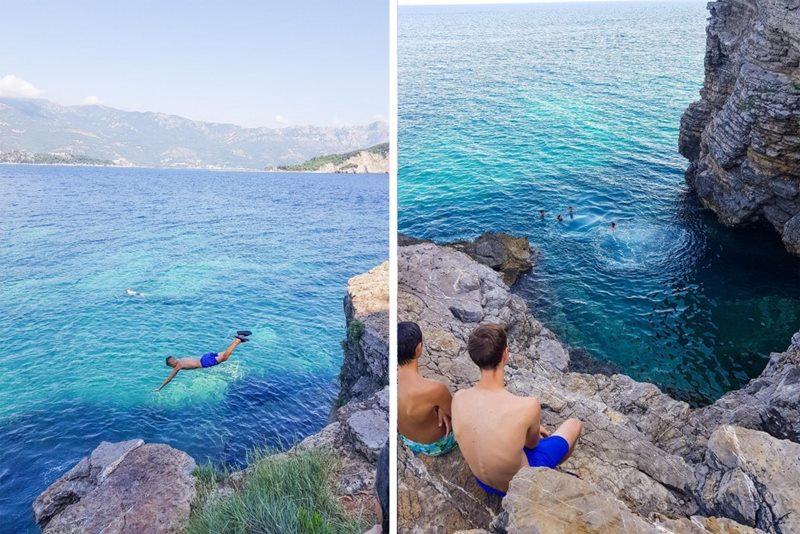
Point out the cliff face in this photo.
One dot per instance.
(366, 308)
(742, 137)
(647, 462)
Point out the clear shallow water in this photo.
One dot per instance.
(212, 252)
(507, 110)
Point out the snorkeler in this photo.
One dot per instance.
(206, 360)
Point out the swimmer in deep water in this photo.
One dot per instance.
(569, 210)
(613, 226)
(560, 217)
(207, 360)
(541, 214)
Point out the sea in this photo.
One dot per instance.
(209, 253)
(508, 110)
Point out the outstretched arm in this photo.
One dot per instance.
(169, 378)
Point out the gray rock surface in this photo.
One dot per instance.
(505, 253)
(753, 479)
(126, 487)
(365, 369)
(640, 447)
(742, 137)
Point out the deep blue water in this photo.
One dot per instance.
(212, 252)
(506, 110)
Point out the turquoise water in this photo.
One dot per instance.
(212, 252)
(507, 110)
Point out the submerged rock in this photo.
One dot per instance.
(643, 454)
(742, 137)
(125, 487)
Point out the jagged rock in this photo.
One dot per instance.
(439, 494)
(640, 447)
(356, 436)
(125, 487)
(365, 369)
(753, 479)
(768, 403)
(742, 137)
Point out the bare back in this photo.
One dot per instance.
(491, 427)
(417, 401)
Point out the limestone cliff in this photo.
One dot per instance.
(646, 461)
(742, 137)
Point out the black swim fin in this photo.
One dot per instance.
(243, 339)
(244, 333)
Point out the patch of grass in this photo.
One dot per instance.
(285, 493)
(355, 330)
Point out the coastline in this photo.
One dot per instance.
(214, 169)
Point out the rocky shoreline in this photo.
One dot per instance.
(646, 462)
(742, 138)
(133, 487)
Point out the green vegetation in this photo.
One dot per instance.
(315, 164)
(16, 156)
(355, 330)
(286, 493)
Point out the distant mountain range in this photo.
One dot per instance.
(372, 159)
(38, 126)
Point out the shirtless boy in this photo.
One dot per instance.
(423, 405)
(500, 433)
(206, 360)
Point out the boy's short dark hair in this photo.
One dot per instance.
(486, 345)
(168, 359)
(409, 336)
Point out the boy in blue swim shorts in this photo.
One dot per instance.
(500, 433)
(206, 360)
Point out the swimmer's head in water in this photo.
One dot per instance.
(171, 361)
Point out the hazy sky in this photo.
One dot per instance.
(465, 2)
(254, 63)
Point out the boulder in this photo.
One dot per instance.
(126, 487)
(505, 253)
(752, 478)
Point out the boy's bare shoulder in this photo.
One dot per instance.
(527, 402)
